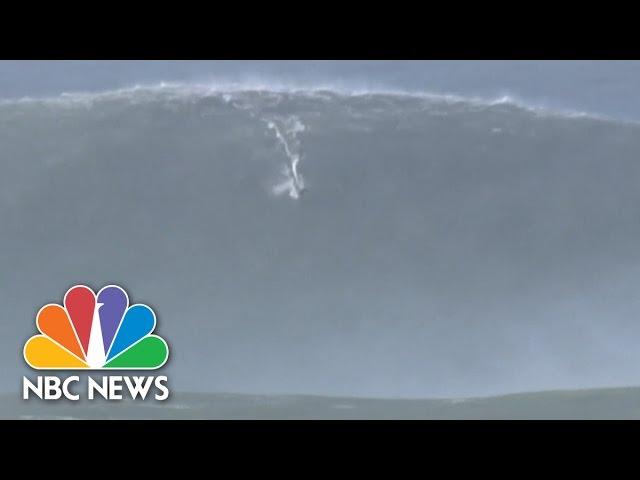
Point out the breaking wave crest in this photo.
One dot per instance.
(194, 91)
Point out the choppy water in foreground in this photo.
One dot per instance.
(621, 403)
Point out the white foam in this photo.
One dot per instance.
(229, 90)
(286, 132)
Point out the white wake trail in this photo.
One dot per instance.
(286, 132)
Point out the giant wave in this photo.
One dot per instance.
(445, 246)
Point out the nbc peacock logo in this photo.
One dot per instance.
(96, 332)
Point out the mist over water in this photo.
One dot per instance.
(443, 246)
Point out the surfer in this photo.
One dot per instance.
(293, 185)
(297, 180)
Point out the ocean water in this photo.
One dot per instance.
(613, 403)
(332, 241)
(606, 87)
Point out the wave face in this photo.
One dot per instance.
(442, 247)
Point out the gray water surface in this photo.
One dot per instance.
(445, 247)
